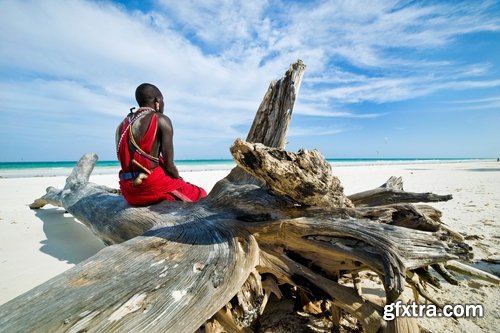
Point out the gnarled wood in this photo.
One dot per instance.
(305, 177)
(278, 218)
(270, 125)
(52, 197)
(392, 192)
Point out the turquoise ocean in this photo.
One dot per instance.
(60, 168)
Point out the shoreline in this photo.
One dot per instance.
(36, 245)
(109, 170)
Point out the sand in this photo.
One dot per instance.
(36, 245)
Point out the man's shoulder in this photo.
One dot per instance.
(164, 120)
(120, 125)
(162, 116)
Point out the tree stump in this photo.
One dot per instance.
(277, 227)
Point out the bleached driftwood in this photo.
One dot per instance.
(279, 220)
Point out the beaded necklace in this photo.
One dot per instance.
(135, 116)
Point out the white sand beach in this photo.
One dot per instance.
(36, 245)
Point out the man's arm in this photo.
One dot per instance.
(118, 135)
(166, 132)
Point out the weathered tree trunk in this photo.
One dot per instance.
(278, 219)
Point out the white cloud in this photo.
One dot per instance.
(214, 59)
(57, 97)
(313, 131)
(474, 104)
(92, 63)
(317, 109)
(387, 37)
(476, 100)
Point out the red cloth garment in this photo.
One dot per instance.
(146, 144)
(158, 185)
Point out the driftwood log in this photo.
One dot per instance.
(277, 227)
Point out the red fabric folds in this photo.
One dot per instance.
(159, 186)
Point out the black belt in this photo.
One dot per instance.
(129, 175)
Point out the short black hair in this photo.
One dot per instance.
(146, 93)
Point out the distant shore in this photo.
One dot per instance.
(53, 169)
(36, 245)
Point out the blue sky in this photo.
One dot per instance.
(384, 78)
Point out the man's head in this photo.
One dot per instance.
(148, 95)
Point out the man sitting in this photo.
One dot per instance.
(145, 150)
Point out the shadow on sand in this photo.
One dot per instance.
(67, 239)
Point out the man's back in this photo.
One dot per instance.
(144, 142)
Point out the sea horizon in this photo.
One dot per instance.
(61, 168)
